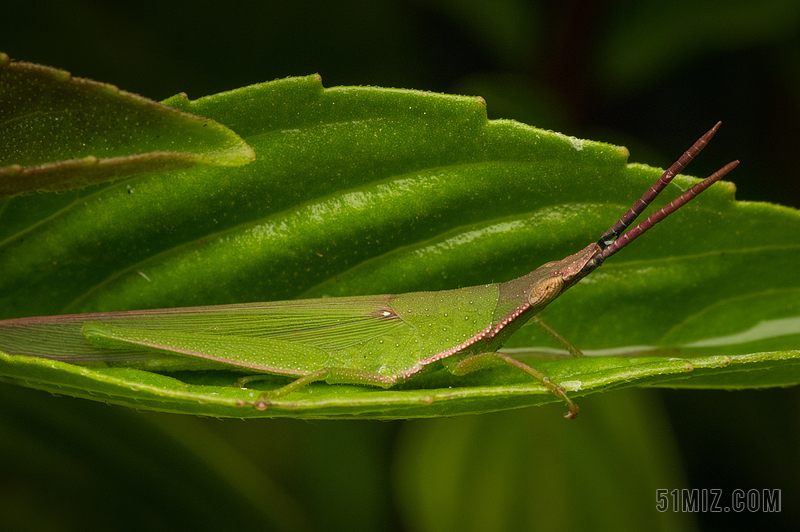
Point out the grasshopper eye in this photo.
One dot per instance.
(545, 291)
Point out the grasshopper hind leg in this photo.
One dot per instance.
(264, 400)
(490, 359)
(329, 375)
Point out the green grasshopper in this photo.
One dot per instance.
(368, 340)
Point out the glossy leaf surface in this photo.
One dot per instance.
(58, 132)
(360, 190)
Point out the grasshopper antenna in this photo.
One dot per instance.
(641, 204)
(614, 239)
(665, 211)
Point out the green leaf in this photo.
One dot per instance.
(58, 132)
(359, 190)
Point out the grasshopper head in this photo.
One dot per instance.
(553, 278)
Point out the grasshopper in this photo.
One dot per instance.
(377, 340)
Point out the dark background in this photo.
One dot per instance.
(648, 75)
(652, 76)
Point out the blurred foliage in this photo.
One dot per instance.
(639, 74)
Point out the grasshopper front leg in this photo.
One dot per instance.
(569, 346)
(487, 360)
